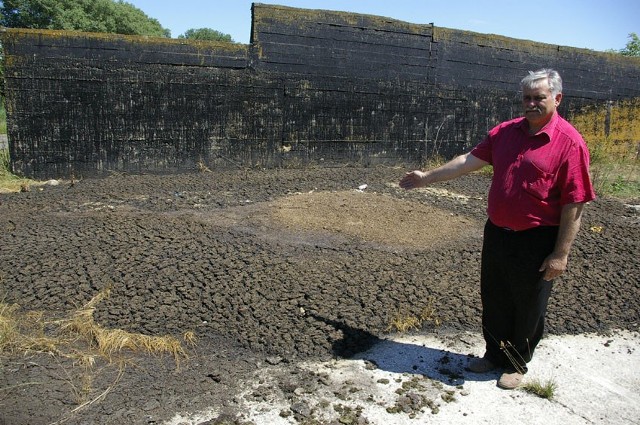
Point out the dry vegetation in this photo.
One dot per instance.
(77, 337)
(27, 331)
(404, 322)
(612, 133)
(8, 181)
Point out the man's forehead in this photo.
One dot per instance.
(539, 88)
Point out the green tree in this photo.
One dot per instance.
(633, 46)
(206, 34)
(107, 16)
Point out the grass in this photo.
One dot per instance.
(543, 389)
(23, 332)
(618, 178)
(8, 181)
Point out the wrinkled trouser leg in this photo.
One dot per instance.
(514, 295)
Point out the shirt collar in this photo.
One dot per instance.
(547, 129)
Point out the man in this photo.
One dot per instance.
(539, 187)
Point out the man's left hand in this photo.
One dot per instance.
(553, 266)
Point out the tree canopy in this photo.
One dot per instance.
(107, 16)
(206, 34)
(633, 46)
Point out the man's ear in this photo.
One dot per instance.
(558, 99)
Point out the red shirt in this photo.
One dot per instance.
(534, 176)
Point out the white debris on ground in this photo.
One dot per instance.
(421, 379)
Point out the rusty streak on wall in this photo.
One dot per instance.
(313, 86)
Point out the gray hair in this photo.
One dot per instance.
(534, 78)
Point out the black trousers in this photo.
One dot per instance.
(514, 294)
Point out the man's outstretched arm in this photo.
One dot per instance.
(457, 167)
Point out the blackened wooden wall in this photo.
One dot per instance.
(312, 87)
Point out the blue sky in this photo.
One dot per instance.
(592, 24)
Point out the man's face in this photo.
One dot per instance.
(539, 104)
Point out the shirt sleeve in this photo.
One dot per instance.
(577, 186)
(483, 150)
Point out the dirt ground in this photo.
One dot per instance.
(266, 267)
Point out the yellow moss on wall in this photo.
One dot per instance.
(301, 18)
(11, 35)
(611, 129)
(441, 34)
(491, 40)
(265, 15)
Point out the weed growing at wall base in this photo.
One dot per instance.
(8, 181)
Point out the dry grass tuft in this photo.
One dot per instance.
(202, 167)
(24, 332)
(404, 323)
(190, 338)
(77, 337)
(30, 332)
(111, 341)
(428, 313)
